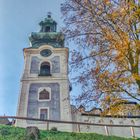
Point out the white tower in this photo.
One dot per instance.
(44, 84)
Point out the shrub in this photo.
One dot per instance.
(4, 132)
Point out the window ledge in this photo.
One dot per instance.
(43, 100)
(44, 75)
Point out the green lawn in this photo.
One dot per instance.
(15, 133)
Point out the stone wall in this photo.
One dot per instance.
(116, 131)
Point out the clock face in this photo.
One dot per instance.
(46, 52)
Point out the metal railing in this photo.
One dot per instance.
(75, 123)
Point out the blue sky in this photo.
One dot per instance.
(18, 18)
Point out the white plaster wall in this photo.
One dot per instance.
(65, 101)
(22, 103)
(116, 131)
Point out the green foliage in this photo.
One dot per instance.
(15, 133)
(4, 132)
(31, 137)
(11, 133)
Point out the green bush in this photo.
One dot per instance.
(4, 131)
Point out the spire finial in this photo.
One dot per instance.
(49, 14)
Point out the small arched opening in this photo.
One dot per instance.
(45, 69)
(47, 29)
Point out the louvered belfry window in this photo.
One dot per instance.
(45, 69)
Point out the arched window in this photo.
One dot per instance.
(44, 95)
(45, 69)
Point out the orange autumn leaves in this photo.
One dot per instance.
(107, 34)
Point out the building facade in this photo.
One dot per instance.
(44, 85)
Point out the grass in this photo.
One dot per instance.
(15, 133)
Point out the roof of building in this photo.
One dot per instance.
(82, 109)
(4, 121)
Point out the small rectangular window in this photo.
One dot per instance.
(43, 114)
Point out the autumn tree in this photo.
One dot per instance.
(107, 56)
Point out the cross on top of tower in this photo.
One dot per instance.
(49, 14)
(48, 24)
